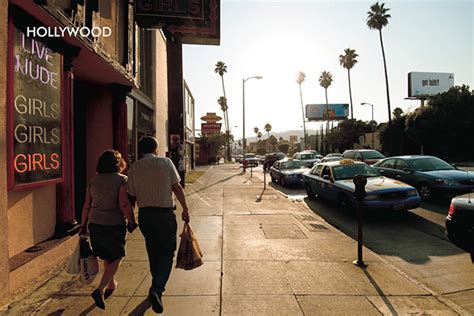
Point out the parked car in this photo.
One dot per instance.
(369, 156)
(333, 155)
(271, 158)
(250, 160)
(333, 158)
(334, 181)
(430, 175)
(460, 222)
(307, 157)
(238, 158)
(287, 172)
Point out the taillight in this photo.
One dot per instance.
(451, 209)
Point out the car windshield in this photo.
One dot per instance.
(373, 154)
(430, 164)
(350, 171)
(290, 165)
(307, 156)
(250, 156)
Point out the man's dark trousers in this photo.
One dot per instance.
(158, 226)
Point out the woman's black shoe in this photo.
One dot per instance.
(98, 299)
(108, 293)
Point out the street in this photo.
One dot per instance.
(414, 242)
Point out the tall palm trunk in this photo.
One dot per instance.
(226, 121)
(386, 80)
(327, 110)
(350, 92)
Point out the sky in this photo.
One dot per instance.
(276, 39)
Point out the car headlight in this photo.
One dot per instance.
(412, 193)
(446, 182)
(372, 197)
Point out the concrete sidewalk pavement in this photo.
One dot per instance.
(261, 257)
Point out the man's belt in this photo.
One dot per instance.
(157, 209)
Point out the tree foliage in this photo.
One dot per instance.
(346, 133)
(284, 148)
(443, 128)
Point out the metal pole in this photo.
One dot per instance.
(243, 124)
(304, 123)
(360, 209)
(373, 141)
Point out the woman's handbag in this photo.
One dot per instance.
(73, 264)
(89, 265)
(189, 252)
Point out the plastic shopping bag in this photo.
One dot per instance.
(89, 265)
(189, 252)
(73, 264)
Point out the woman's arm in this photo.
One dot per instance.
(125, 205)
(85, 211)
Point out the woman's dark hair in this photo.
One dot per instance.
(147, 145)
(110, 161)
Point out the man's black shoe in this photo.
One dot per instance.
(156, 303)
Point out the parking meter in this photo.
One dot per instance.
(359, 193)
(359, 182)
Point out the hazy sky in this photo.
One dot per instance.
(276, 39)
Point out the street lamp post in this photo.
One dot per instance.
(373, 141)
(299, 79)
(244, 141)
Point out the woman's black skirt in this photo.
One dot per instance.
(108, 241)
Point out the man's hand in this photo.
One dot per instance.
(83, 230)
(131, 226)
(185, 215)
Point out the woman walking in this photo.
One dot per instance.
(106, 207)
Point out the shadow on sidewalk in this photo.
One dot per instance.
(407, 236)
(211, 185)
(141, 308)
(380, 292)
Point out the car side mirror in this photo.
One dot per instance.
(326, 177)
(454, 165)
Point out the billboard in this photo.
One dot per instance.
(422, 84)
(317, 112)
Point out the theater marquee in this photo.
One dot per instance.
(193, 21)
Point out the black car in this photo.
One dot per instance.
(271, 158)
(430, 175)
(460, 222)
(288, 172)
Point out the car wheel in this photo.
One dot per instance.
(273, 179)
(310, 192)
(425, 191)
(345, 203)
(282, 182)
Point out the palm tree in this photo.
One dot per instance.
(300, 77)
(255, 130)
(259, 135)
(348, 61)
(268, 128)
(325, 81)
(223, 103)
(377, 18)
(221, 69)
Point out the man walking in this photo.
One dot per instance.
(152, 180)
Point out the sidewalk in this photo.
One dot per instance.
(273, 257)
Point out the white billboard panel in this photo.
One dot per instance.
(429, 83)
